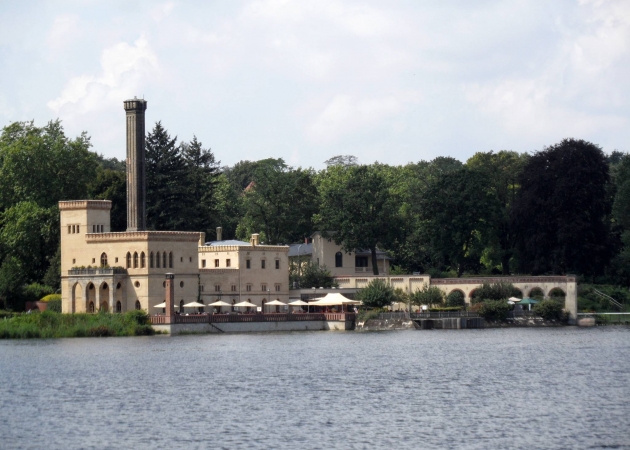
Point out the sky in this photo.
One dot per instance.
(395, 82)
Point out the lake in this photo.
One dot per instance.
(553, 388)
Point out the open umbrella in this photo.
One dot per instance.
(194, 305)
(245, 305)
(275, 303)
(219, 303)
(160, 305)
(298, 303)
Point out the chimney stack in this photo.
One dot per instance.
(254, 239)
(219, 234)
(136, 172)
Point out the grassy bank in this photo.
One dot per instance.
(50, 324)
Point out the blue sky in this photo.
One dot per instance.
(394, 81)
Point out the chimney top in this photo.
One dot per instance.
(254, 240)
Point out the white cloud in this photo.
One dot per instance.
(345, 115)
(64, 31)
(125, 68)
(162, 11)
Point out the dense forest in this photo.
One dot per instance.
(563, 209)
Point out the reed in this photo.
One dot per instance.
(50, 324)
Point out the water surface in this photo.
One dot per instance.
(475, 389)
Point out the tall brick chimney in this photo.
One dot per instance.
(136, 172)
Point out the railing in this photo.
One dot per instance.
(98, 271)
(241, 318)
(514, 314)
(443, 314)
(608, 318)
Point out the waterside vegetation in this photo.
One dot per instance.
(49, 324)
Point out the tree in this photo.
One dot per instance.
(456, 214)
(562, 208)
(342, 160)
(377, 294)
(455, 298)
(502, 170)
(311, 275)
(408, 187)
(201, 183)
(12, 279)
(42, 165)
(112, 185)
(495, 291)
(428, 295)
(357, 210)
(280, 202)
(166, 186)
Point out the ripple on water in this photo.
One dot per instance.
(473, 389)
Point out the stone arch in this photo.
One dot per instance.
(90, 307)
(457, 290)
(557, 293)
(104, 306)
(157, 260)
(142, 260)
(471, 293)
(128, 258)
(118, 306)
(90, 295)
(103, 259)
(76, 299)
(536, 292)
(135, 260)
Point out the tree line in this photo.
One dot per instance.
(563, 209)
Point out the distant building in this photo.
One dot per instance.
(102, 270)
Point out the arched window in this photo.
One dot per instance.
(118, 307)
(164, 260)
(338, 259)
(138, 306)
(128, 260)
(151, 260)
(157, 260)
(142, 260)
(91, 307)
(135, 260)
(103, 259)
(181, 304)
(170, 260)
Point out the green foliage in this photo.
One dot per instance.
(280, 202)
(495, 291)
(561, 212)
(588, 300)
(12, 279)
(377, 294)
(494, 309)
(35, 291)
(549, 310)
(54, 305)
(456, 214)
(52, 277)
(456, 299)
(311, 275)
(166, 187)
(50, 324)
(50, 297)
(428, 295)
(112, 185)
(371, 314)
(357, 210)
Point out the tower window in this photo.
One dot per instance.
(277, 263)
(216, 263)
(338, 259)
(262, 263)
(203, 263)
(248, 264)
(142, 260)
(228, 263)
(135, 260)
(170, 260)
(151, 260)
(103, 259)
(128, 260)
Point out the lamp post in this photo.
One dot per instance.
(268, 297)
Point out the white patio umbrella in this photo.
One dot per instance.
(194, 305)
(514, 299)
(275, 303)
(160, 305)
(245, 304)
(219, 303)
(298, 303)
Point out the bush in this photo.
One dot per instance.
(34, 291)
(428, 295)
(365, 315)
(549, 310)
(50, 297)
(494, 309)
(54, 305)
(456, 298)
(495, 291)
(377, 294)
